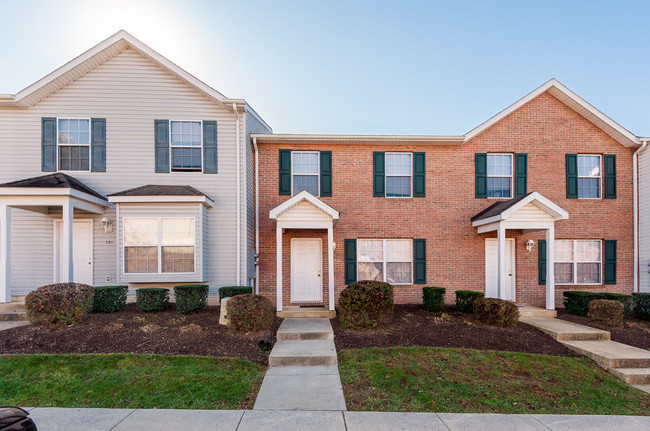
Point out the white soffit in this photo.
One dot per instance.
(303, 196)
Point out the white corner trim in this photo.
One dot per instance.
(161, 199)
(300, 197)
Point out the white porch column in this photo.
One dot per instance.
(330, 265)
(5, 253)
(501, 261)
(67, 274)
(278, 252)
(550, 268)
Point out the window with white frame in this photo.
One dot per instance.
(73, 142)
(159, 245)
(305, 171)
(389, 260)
(399, 170)
(499, 175)
(578, 261)
(589, 176)
(186, 145)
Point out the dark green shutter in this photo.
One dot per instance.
(48, 144)
(161, 138)
(572, 176)
(521, 174)
(420, 261)
(98, 144)
(541, 260)
(326, 173)
(480, 170)
(419, 170)
(284, 166)
(350, 261)
(610, 176)
(378, 174)
(210, 147)
(610, 261)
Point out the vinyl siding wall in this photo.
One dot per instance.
(644, 221)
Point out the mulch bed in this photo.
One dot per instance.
(413, 326)
(130, 331)
(635, 332)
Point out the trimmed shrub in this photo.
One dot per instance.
(498, 312)
(433, 298)
(250, 312)
(624, 299)
(465, 300)
(230, 291)
(151, 298)
(59, 304)
(109, 298)
(577, 302)
(607, 311)
(641, 305)
(366, 304)
(190, 297)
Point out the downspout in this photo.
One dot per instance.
(635, 191)
(257, 218)
(239, 200)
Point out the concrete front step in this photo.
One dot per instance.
(13, 316)
(610, 354)
(13, 307)
(302, 353)
(563, 330)
(306, 313)
(528, 311)
(644, 388)
(305, 329)
(632, 376)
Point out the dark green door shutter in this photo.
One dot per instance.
(284, 165)
(98, 144)
(572, 176)
(48, 144)
(521, 174)
(210, 147)
(541, 260)
(610, 176)
(610, 261)
(420, 260)
(326, 173)
(350, 261)
(480, 170)
(419, 171)
(378, 174)
(161, 139)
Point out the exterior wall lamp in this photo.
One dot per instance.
(107, 224)
(529, 245)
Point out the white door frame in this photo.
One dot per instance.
(513, 257)
(320, 258)
(58, 224)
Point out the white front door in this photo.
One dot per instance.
(306, 269)
(492, 269)
(82, 251)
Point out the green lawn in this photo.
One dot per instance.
(426, 379)
(128, 381)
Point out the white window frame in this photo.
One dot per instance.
(171, 147)
(317, 174)
(512, 174)
(386, 175)
(58, 145)
(159, 245)
(575, 263)
(600, 176)
(384, 261)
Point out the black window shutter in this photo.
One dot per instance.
(98, 144)
(541, 260)
(284, 166)
(521, 174)
(210, 152)
(610, 261)
(420, 261)
(419, 170)
(610, 176)
(48, 144)
(161, 138)
(326, 173)
(572, 176)
(480, 170)
(378, 174)
(350, 261)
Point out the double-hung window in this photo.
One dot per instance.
(499, 175)
(578, 261)
(589, 176)
(305, 171)
(73, 142)
(388, 260)
(186, 151)
(399, 171)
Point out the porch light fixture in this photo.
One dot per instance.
(529, 245)
(334, 245)
(107, 224)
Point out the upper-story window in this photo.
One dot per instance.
(499, 175)
(305, 171)
(399, 170)
(589, 176)
(73, 141)
(186, 151)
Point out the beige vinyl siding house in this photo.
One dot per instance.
(644, 220)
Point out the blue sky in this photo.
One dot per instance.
(384, 67)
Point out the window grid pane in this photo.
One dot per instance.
(499, 173)
(177, 231)
(186, 133)
(305, 182)
(578, 261)
(398, 175)
(392, 255)
(589, 176)
(305, 163)
(141, 259)
(140, 231)
(74, 144)
(178, 259)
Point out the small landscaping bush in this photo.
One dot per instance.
(230, 291)
(465, 300)
(250, 312)
(366, 304)
(641, 305)
(433, 298)
(109, 298)
(607, 311)
(190, 297)
(577, 302)
(151, 298)
(61, 303)
(498, 312)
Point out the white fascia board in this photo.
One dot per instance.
(160, 199)
(44, 193)
(392, 139)
(489, 220)
(488, 228)
(303, 196)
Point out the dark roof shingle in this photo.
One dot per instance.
(497, 208)
(160, 190)
(56, 181)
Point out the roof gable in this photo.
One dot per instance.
(303, 196)
(503, 210)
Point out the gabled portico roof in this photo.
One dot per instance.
(303, 196)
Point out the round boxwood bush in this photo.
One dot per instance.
(498, 312)
(109, 298)
(59, 304)
(465, 300)
(366, 304)
(151, 298)
(190, 297)
(433, 298)
(250, 312)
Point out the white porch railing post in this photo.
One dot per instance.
(501, 261)
(550, 268)
(278, 242)
(330, 265)
(5, 253)
(67, 258)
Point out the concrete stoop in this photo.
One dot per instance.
(561, 330)
(296, 312)
(13, 316)
(610, 354)
(305, 329)
(529, 311)
(303, 353)
(14, 310)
